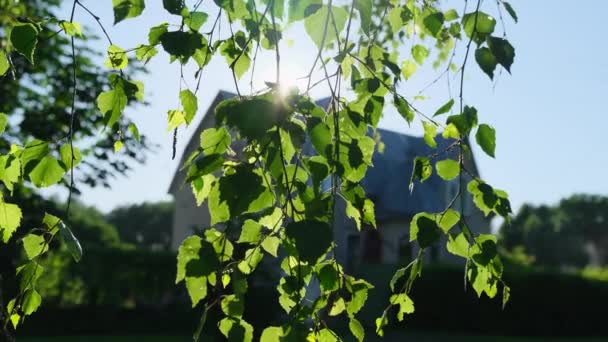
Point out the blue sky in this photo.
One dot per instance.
(550, 114)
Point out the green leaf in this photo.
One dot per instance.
(354, 214)
(4, 64)
(448, 169)
(358, 289)
(134, 131)
(156, 32)
(272, 334)
(70, 241)
(124, 9)
(503, 51)
(68, 159)
(177, 7)
(430, 132)
(479, 23)
(71, 28)
(31, 302)
(175, 118)
(204, 166)
(510, 9)
(398, 275)
(424, 229)
(337, 307)
(451, 132)
(328, 277)
(195, 20)
(252, 259)
(181, 45)
(365, 13)
(422, 170)
(277, 8)
(398, 17)
(111, 103)
(458, 245)
(233, 306)
(235, 56)
(190, 104)
(251, 232)
(47, 172)
(197, 289)
(300, 9)
(236, 330)
(408, 68)
(486, 139)
(10, 219)
(464, 122)
(252, 117)
(271, 245)
(420, 53)
(312, 239)
(24, 38)
(145, 53)
(188, 251)
(215, 140)
(10, 171)
(243, 191)
(201, 187)
(34, 245)
(29, 275)
(447, 220)
(486, 60)
(117, 58)
(405, 303)
(315, 24)
(445, 108)
(434, 22)
(506, 294)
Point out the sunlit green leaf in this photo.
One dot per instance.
(117, 58)
(430, 132)
(405, 303)
(10, 219)
(448, 169)
(70, 241)
(419, 53)
(4, 64)
(195, 20)
(190, 104)
(124, 9)
(445, 108)
(317, 29)
(47, 172)
(34, 245)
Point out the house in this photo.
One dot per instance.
(386, 183)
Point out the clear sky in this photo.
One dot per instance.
(550, 114)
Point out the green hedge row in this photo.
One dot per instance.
(542, 303)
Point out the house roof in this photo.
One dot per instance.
(387, 182)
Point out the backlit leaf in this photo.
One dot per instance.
(486, 138)
(24, 38)
(448, 169)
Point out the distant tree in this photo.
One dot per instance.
(573, 233)
(147, 224)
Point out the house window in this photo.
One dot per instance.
(372, 246)
(405, 251)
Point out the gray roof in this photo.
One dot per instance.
(387, 182)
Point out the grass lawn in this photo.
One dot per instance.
(414, 337)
